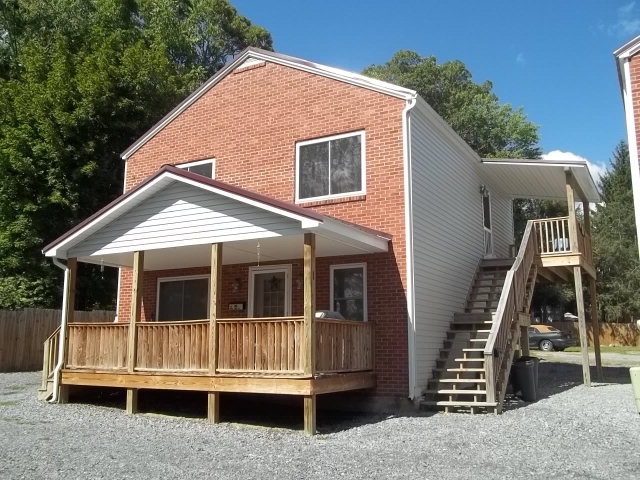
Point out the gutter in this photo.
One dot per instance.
(408, 222)
(63, 331)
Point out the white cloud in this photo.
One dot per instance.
(628, 22)
(520, 60)
(597, 170)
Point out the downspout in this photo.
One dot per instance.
(633, 145)
(63, 330)
(408, 222)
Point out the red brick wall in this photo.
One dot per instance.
(635, 92)
(250, 123)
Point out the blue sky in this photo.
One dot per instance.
(553, 58)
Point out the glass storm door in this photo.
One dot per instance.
(270, 291)
(486, 218)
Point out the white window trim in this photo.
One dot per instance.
(488, 231)
(195, 163)
(286, 268)
(344, 266)
(363, 167)
(175, 279)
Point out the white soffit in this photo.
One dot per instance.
(535, 178)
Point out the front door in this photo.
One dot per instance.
(486, 218)
(270, 291)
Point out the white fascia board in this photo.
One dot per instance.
(106, 217)
(305, 222)
(535, 162)
(353, 236)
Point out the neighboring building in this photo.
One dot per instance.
(281, 188)
(628, 65)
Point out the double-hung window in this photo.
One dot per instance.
(330, 167)
(206, 168)
(183, 298)
(349, 290)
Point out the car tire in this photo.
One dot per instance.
(546, 345)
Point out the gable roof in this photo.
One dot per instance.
(112, 233)
(252, 54)
(623, 54)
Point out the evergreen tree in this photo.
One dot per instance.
(615, 244)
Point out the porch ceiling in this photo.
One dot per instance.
(535, 178)
(175, 216)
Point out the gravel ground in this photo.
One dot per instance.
(570, 432)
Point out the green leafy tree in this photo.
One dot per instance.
(472, 109)
(615, 244)
(80, 80)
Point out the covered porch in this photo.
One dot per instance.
(178, 220)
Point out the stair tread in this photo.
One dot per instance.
(461, 380)
(469, 359)
(460, 369)
(462, 391)
(453, 403)
(473, 349)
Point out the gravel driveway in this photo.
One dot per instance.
(570, 432)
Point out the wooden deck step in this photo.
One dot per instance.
(461, 380)
(473, 349)
(471, 318)
(462, 391)
(461, 360)
(449, 403)
(497, 262)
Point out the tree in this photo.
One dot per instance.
(80, 80)
(615, 244)
(472, 109)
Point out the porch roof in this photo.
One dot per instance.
(537, 178)
(174, 216)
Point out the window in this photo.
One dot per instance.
(183, 298)
(330, 167)
(205, 168)
(349, 290)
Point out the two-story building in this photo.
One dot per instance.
(293, 228)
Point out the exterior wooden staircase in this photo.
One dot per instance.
(473, 367)
(48, 364)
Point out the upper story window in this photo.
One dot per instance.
(206, 168)
(330, 167)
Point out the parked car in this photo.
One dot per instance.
(548, 338)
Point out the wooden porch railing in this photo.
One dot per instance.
(173, 345)
(261, 345)
(50, 356)
(273, 346)
(97, 345)
(343, 346)
(554, 237)
(500, 345)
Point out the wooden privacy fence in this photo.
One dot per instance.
(619, 334)
(23, 332)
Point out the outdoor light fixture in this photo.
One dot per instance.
(235, 285)
(484, 191)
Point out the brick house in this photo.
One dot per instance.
(293, 228)
(628, 64)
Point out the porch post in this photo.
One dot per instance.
(215, 294)
(136, 306)
(595, 326)
(571, 208)
(584, 343)
(72, 265)
(309, 328)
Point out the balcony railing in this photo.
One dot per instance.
(555, 237)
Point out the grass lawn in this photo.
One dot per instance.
(606, 349)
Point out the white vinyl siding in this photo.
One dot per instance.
(447, 234)
(183, 215)
(502, 225)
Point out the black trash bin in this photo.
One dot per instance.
(524, 375)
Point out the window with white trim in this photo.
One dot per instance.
(330, 167)
(206, 168)
(349, 290)
(183, 298)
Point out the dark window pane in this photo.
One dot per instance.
(170, 301)
(486, 207)
(205, 169)
(314, 170)
(348, 292)
(346, 165)
(196, 293)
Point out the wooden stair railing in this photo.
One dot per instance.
(49, 360)
(515, 299)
